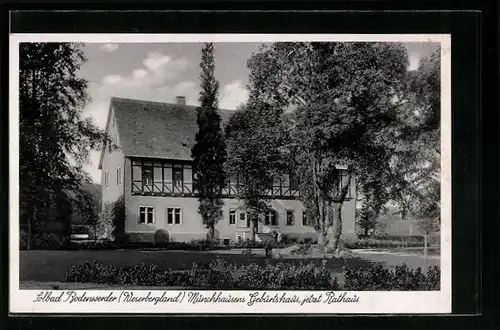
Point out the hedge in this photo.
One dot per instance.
(402, 278)
(194, 245)
(218, 275)
(223, 275)
(373, 243)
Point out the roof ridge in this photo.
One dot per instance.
(159, 102)
(149, 101)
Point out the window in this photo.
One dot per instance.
(119, 176)
(305, 221)
(243, 217)
(173, 216)
(106, 179)
(147, 176)
(146, 214)
(177, 176)
(343, 181)
(294, 183)
(270, 218)
(290, 218)
(232, 217)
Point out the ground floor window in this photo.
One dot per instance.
(232, 217)
(270, 218)
(243, 217)
(173, 216)
(304, 218)
(290, 218)
(146, 214)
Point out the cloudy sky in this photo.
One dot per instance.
(159, 72)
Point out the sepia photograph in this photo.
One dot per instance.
(198, 169)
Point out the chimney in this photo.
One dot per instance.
(180, 100)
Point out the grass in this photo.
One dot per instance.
(51, 266)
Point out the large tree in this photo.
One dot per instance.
(256, 135)
(418, 157)
(345, 98)
(209, 151)
(55, 141)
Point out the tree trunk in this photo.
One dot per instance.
(253, 228)
(211, 230)
(334, 239)
(334, 207)
(321, 238)
(366, 230)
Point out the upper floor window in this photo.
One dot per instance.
(343, 182)
(270, 218)
(294, 183)
(161, 176)
(119, 176)
(147, 175)
(106, 179)
(177, 175)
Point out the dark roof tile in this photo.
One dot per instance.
(155, 129)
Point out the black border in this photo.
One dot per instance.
(474, 139)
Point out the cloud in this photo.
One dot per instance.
(232, 95)
(112, 79)
(109, 47)
(155, 61)
(158, 80)
(139, 73)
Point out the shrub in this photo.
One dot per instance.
(111, 220)
(49, 241)
(194, 245)
(402, 278)
(96, 272)
(105, 224)
(258, 245)
(219, 274)
(375, 243)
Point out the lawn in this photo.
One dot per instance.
(51, 266)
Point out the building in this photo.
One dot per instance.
(151, 168)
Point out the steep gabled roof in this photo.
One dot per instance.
(155, 129)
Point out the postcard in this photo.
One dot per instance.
(230, 173)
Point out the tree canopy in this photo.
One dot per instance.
(255, 135)
(354, 105)
(55, 140)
